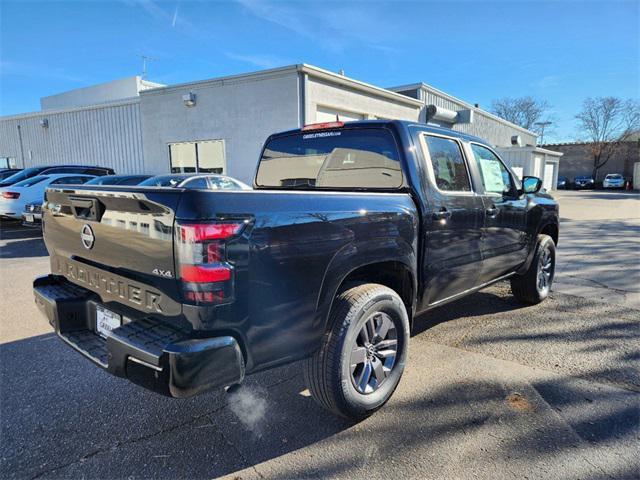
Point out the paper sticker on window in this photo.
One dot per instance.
(492, 175)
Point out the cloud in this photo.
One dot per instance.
(260, 61)
(175, 16)
(9, 68)
(547, 81)
(334, 26)
(166, 17)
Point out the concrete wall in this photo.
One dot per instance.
(243, 111)
(107, 135)
(121, 89)
(327, 95)
(578, 160)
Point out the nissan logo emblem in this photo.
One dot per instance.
(87, 237)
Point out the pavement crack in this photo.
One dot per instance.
(596, 282)
(162, 431)
(129, 441)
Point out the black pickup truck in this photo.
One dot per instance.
(350, 232)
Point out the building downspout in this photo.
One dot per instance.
(21, 146)
(302, 98)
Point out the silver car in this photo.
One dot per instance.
(32, 215)
(613, 180)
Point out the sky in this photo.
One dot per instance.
(559, 51)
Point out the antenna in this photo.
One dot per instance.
(145, 59)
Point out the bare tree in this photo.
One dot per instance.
(605, 122)
(523, 111)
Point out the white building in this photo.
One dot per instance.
(219, 125)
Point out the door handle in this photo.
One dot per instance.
(492, 212)
(442, 214)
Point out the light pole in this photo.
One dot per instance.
(542, 125)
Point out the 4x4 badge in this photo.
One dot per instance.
(87, 237)
(162, 273)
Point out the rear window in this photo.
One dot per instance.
(106, 180)
(29, 182)
(350, 158)
(163, 181)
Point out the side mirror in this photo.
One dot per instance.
(531, 184)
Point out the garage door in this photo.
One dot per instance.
(325, 114)
(547, 182)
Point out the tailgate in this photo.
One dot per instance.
(117, 242)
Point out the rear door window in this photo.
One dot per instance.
(349, 158)
(447, 164)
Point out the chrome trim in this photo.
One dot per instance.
(472, 289)
(146, 364)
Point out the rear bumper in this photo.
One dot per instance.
(37, 220)
(153, 354)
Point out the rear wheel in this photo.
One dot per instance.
(362, 357)
(534, 286)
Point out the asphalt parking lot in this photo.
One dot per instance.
(492, 389)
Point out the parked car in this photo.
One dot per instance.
(584, 181)
(563, 183)
(13, 199)
(350, 232)
(32, 215)
(51, 169)
(7, 172)
(118, 180)
(196, 181)
(613, 180)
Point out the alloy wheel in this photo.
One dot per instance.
(373, 353)
(545, 270)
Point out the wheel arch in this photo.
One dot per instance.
(371, 262)
(551, 229)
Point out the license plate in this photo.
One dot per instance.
(106, 320)
(28, 217)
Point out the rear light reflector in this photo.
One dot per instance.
(10, 195)
(204, 273)
(197, 233)
(322, 126)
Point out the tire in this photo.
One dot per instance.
(332, 380)
(530, 288)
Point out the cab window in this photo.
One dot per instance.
(70, 180)
(495, 176)
(449, 170)
(196, 183)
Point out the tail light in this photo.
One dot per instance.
(206, 276)
(10, 195)
(322, 126)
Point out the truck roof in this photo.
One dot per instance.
(398, 123)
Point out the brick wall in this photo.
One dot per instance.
(577, 160)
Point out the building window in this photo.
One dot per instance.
(197, 157)
(8, 162)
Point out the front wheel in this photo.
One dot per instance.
(362, 357)
(534, 286)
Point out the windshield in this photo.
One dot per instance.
(30, 181)
(163, 181)
(22, 174)
(350, 158)
(614, 176)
